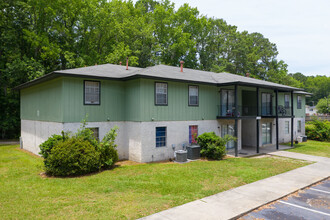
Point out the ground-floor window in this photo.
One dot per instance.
(267, 133)
(230, 130)
(95, 132)
(160, 136)
(193, 133)
(287, 127)
(299, 126)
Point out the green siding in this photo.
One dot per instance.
(111, 107)
(132, 100)
(61, 100)
(299, 112)
(45, 98)
(177, 108)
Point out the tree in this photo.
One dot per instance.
(323, 105)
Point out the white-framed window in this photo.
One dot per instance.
(286, 101)
(161, 136)
(287, 127)
(299, 126)
(160, 93)
(298, 102)
(193, 133)
(91, 92)
(193, 95)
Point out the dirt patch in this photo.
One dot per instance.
(127, 163)
(28, 152)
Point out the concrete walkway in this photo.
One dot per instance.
(235, 202)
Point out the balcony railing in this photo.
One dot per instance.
(230, 111)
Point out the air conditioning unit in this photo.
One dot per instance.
(194, 152)
(181, 156)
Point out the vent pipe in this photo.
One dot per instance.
(181, 63)
(120, 63)
(126, 63)
(247, 74)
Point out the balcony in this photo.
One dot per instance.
(225, 111)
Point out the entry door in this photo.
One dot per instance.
(227, 102)
(228, 129)
(266, 133)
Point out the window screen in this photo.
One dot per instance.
(160, 136)
(161, 94)
(92, 93)
(193, 95)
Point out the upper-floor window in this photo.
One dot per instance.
(91, 92)
(161, 93)
(286, 101)
(193, 133)
(266, 104)
(193, 95)
(298, 102)
(227, 102)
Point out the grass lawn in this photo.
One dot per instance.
(316, 148)
(126, 192)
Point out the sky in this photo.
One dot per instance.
(299, 28)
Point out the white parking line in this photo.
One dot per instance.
(298, 206)
(319, 190)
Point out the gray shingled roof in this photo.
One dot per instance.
(159, 72)
(104, 70)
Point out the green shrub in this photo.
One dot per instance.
(213, 146)
(318, 130)
(107, 148)
(80, 154)
(47, 146)
(214, 151)
(73, 157)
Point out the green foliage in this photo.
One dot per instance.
(41, 36)
(107, 148)
(73, 157)
(61, 160)
(323, 105)
(318, 130)
(86, 134)
(47, 146)
(213, 146)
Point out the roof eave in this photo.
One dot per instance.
(281, 88)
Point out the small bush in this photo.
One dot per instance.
(318, 130)
(47, 146)
(73, 157)
(214, 151)
(80, 154)
(107, 148)
(213, 146)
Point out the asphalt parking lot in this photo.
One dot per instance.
(310, 203)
